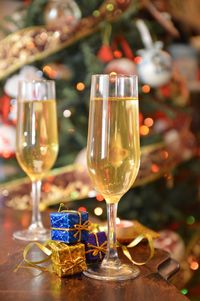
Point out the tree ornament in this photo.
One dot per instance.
(7, 141)
(105, 53)
(58, 11)
(121, 66)
(27, 72)
(155, 67)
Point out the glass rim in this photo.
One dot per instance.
(32, 81)
(116, 75)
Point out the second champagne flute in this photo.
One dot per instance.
(36, 144)
(113, 156)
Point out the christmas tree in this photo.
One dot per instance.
(68, 41)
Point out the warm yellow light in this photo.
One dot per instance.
(148, 122)
(194, 265)
(146, 88)
(80, 86)
(98, 211)
(144, 130)
(67, 113)
(155, 168)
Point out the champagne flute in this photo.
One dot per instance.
(113, 157)
(36, 144)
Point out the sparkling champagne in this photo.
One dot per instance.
(37, 140)
(113, 145)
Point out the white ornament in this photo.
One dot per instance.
(7, 139)
(26, 73)
(155, 68)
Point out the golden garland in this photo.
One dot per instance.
(36, 43)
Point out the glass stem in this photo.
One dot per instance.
(36, 216)
(111, 259)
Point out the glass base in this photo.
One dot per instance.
(123, 272)
(32, 235)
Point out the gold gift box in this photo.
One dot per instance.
(67, 259)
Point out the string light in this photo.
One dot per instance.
(146, 89)
(184, 291)
(98, 211)
(96, 13)
(82, 209)
(67, 113)
(80, 86)
(110, 7)
(99, 197)
(144, 130)
(138, 59)
(194, 265)
(155, 168)
(148, 122)
(49, 71)
(117, 54)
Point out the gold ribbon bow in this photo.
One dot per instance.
(73, 263)
(77, 227)
(97, 249)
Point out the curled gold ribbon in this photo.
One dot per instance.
(134, 243)
(43, 247)
(35, 264)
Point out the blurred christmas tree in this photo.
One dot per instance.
(68, 41)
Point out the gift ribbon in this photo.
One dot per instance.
(134, 243)
(97, 249)
(43, 247)
(72, 264)
(77, 227)
(35, 264)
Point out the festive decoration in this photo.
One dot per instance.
(121, 66)
(69, 226)
(95, 247)
(7, 141)
(61, 11)
(155, 67)
(127, 231)
(36, 43)
(5, 108)
(67, 260)
(171, 242)
(57, 71)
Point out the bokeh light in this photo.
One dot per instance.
(80, 86)
(98, 211)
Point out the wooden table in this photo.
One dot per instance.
(27, 284)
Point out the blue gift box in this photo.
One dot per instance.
(69, 226)
(95, 247)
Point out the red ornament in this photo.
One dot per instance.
(105, 53)
(5, 108)
(123, 4)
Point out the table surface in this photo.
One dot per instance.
(29, 284)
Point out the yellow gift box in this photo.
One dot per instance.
(67, 259)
